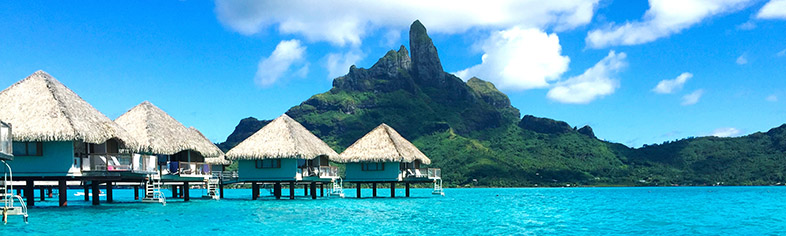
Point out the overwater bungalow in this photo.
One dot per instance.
(384, 156)
(284, 151)
(57, 136)
(183, 155)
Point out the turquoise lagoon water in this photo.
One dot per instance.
(520, 211)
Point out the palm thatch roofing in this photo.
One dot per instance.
(212, 160)
(159, 133)
(281, 138)
(42, 109)
(383, 144)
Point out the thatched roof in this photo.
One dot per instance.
(380, 145)
(42, 109)
(159, 133)
(212, 160)
(281, 138)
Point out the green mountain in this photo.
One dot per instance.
(471, 131)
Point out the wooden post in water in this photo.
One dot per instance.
(407, 187)
(292, 190)
(96, 191)
(358, 186)
(313, 190)
(174, 191)
(87, 191)
(109, 192)
(41, 191)
(277, 190)
(221, 188)
(186, 191)
(373, 189)
(49, 193)
(305, 190)
(136, 192)
(322, 189)
(393, 189)
(254, 191)
(29, 188)
(62, 190)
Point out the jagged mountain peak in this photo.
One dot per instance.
(425, 59)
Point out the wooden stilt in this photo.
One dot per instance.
(136, 192)
(221, 188)
(62, 190)
(292, 190)
(254, 191)
(321, 189)
(407, 189)
(96, 191)
(49, 193)
(29, 188)
(305, 190)
(41, 191)
(186, 191)
(87, 191)
(174, 191)
(109, 198)
(393, 189)
(277, 190)
(358, 192)
(373, 189)
(313, 190)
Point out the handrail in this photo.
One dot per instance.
(108, 162)
(429, 173)
(319, 171)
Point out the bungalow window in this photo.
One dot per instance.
(268, 163)
(28, 149)
(373, 166)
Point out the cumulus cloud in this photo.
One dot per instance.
(742, 60)
(347, 22)
(774, 9)
(726, 132)
(287, 54)
(663, 18)
(594, 83)
(519, 59)
(338, 64)
(692, 98)
(669, 86)
(771, 98)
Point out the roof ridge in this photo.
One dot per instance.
(395, 144)
(50, 87)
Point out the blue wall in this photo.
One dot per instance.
(56, 160)
(354, 172)
(247, 170)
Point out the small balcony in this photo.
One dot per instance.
(199, 169)
(322, 172)
(116, 162)
(422, 173)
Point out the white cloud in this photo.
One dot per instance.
(781, 53)
(520, 59)
(595, 82)
(772, 98)
(347, 22)
(725, 132)
(338, 64)
(286, 54)
(692, 98)
(749, 25)
(742, 60)
(669, 86)
(774, 9)
(663, 18)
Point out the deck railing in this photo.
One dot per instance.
(319, 171)
(108, 162)
(423, 173)
(189, 168)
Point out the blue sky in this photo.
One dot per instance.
(638, 72)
